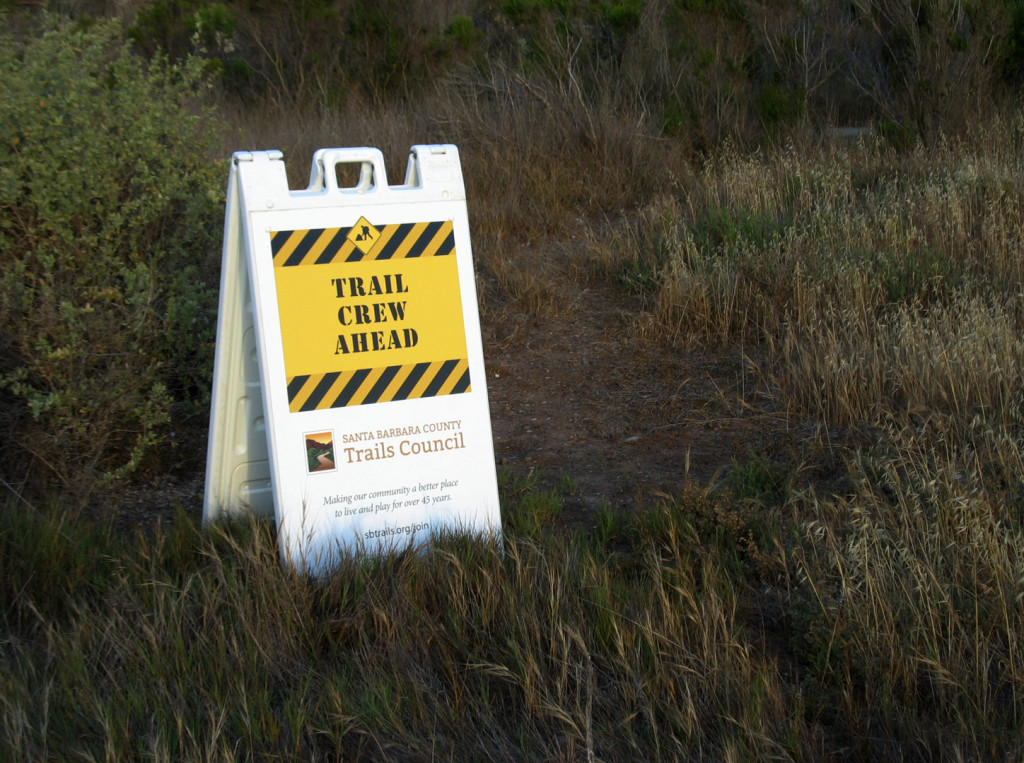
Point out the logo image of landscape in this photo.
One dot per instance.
(320, 451)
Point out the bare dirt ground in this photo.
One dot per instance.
(626, 420)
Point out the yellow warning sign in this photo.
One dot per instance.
(363, 235)
(361, 326)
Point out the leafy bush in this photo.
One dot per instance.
(109, 217)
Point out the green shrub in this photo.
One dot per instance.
(109, 222)
(176, 27)
(779, 105)
(463, 32)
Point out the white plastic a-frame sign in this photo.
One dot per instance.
(349, 391)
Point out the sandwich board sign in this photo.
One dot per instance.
(349, 396)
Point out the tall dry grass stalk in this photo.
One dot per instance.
(916, 582)
(190, 646)
(764, 243)
(961, 362)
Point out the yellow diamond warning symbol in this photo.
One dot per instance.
(363, 235)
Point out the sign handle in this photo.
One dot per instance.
(372, 176)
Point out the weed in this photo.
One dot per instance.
(611, 526)
(760, 479)
(534, 510)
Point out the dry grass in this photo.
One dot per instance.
(759, 241)
(886, 287)
(193, 646)
(917, 578)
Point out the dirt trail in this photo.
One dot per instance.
(581, 397)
